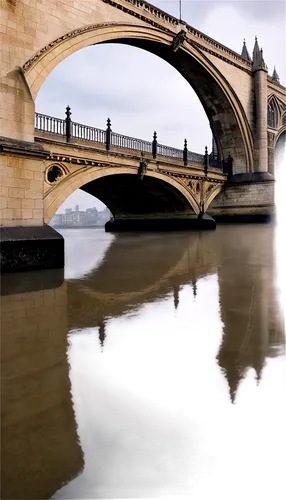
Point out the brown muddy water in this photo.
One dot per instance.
(212, 294)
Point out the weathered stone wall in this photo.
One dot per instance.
(36, 406)
(22, 191)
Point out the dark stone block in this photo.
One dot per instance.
(30, 248)
(161, 224)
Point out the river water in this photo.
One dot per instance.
(155, 368)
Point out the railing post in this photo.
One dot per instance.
(108, 135)
(68, 124)
(185, 153)
(206, 160)
(154, 145)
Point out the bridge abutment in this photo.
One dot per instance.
(245, 198)
(26, 242)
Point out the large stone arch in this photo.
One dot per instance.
(280, 147)
(84, 179)
(227, 117)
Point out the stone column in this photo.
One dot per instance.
(259, 69)
(261, 152)
(271, 167)
(17, 107)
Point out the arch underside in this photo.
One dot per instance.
(227, 118)
(223, 118)
(127, 196)
(122, 191)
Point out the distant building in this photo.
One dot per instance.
(91, 216)
(80, 218)
(74, 218)
(56, 220)
(103, 216)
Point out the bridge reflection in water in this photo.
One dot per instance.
(153, 326)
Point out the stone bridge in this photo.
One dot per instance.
(245, 106)
(136, 179)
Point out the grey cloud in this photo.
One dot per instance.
(195, 11)
(257, 9)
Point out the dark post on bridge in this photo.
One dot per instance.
(185, 153)
(206, 160)
(154, 145)
(68, 124)
(108, 135)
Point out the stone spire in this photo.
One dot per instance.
(245, 52)
(257, 59)
(275, 76)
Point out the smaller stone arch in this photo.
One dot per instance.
(61, 190)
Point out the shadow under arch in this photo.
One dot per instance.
(124, 193)
(227, 118)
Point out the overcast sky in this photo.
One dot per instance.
(142, 93)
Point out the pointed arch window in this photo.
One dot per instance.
(271, 115)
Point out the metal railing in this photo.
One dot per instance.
(71, 130)
(86, 133)
(169, 152)
(123, 141)
(50, 124)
